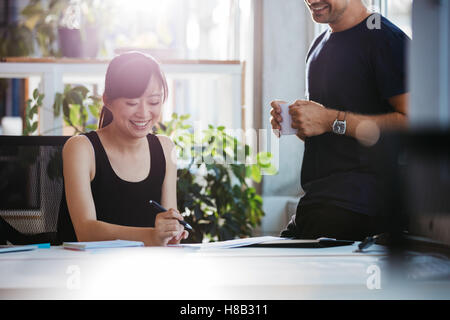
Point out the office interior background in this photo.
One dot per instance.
(272, 38)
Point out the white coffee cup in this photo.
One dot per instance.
(286, 123)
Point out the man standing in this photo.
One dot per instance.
(355, 87)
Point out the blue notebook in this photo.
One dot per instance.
(101, 244)
(6, 249)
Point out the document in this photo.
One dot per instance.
(236, 243)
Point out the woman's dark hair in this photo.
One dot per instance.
(128, 76)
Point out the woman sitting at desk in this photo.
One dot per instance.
(111, 174)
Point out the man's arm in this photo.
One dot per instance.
(311, 119)
(366, 128)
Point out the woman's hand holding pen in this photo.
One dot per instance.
(167, 229)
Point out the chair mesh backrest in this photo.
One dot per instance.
(31, 183)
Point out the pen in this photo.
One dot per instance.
(158, 208)
(368, 241)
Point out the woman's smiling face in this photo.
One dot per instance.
(136, 116)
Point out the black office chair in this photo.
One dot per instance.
(31, 188)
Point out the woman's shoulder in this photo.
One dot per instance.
(169, 149)
(77, 145)
(77, 141)
(166, 142)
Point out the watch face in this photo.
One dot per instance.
(339, 127)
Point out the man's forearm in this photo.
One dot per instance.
(364, 127)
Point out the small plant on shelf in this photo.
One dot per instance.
(76, 104)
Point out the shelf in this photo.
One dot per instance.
(54, 72)
(40, 65)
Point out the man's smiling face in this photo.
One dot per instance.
(327, 11)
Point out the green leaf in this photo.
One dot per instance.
(32, 9)
(74, 97)
(35, 94)
(247, 150)
(66, 109)
(74, 115)
(198, 213)
(91, 127)
(28, 108)
(67, 88)
(33, 110)
(272, 170)
(256, 173)
(40, 98)
(57, 104)
(34, 127)
(95, 110)
(82, 90)
(264, 159)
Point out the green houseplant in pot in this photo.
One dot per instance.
(41, 17)
(215, 194)
(69, 28)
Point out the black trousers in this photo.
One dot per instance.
(325, 220)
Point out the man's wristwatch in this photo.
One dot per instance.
(340, 126)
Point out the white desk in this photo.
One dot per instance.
(182, 273)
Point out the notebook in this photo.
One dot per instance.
(9, 248)
(101, 244)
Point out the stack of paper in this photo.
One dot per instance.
(101, 244)
(269, 241)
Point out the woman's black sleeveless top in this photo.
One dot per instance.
(118, 201)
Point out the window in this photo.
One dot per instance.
(189, 29)
(398, 12)
(176, 30)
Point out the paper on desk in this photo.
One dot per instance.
(236, 243)
(101, 244)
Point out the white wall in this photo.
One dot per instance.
(285, 44)
(287, 31)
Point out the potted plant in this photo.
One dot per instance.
(69, 28)
(216, 197)
(41, 18)
(17, 41)
(76, 105)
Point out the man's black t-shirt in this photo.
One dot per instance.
(355, 70)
